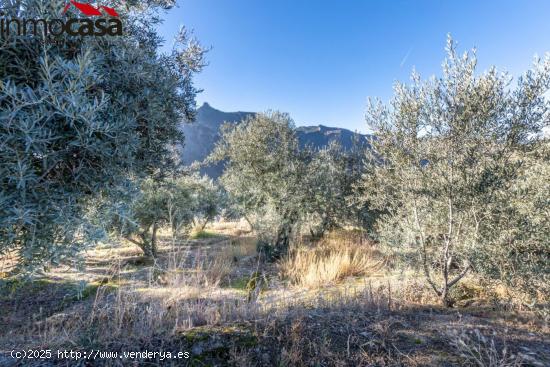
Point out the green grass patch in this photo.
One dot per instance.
(88, 290)
(203, 235)
(239, 283)
(12, 286)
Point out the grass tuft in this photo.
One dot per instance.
(329, 262)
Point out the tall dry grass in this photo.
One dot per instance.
(182, 290)
(130, 315)
(205, 267)
(335, 258)
(202, 271)
(230, 228)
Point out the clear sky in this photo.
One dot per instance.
(319, 60)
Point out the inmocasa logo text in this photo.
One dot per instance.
(105, 22)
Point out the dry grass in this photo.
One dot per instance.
(134, 318)
(476, 349)
(8, 261)
(329, 262)
(236, 228)
(240, 248)
(142, 314)
(185, 303)
(204, 267)
(348, 329)
(182, 291)
(215, 271)
(186, 268)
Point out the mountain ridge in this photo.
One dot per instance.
(202, 135)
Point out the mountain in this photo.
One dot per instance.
(201, 136)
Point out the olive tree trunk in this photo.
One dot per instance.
(147, 242)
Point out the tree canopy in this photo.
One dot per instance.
(78, 117)
(446, 156)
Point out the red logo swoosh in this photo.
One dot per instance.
(90, 10)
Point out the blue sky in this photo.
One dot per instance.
(319, 60)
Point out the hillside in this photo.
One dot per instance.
(202, 135)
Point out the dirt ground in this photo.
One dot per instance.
(361, 322)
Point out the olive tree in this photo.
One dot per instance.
(78, 117)
(209, 199)
(332, 173)
(445, 153)
(172, 202)
(518, 251)
(169, 202)
(263, 172)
